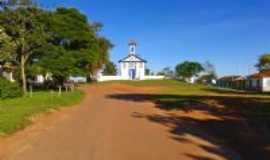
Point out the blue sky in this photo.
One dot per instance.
(231, 34)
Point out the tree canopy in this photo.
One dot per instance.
(6, 46)
(167, 72)
(208, 74)
(27, 32)
(61, 42)
(110, 69)
(264, 62)
(187, 69)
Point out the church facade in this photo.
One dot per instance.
(132, 67)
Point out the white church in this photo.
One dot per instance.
(132, 67)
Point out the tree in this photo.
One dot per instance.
(76, 41)
(73, 32)
(61, 42)
(25, 27)
(104, 46)
(208, 74)
(264, 62)
(147, 71)
(187, 70)
(208, 67)
(167, 72)
(110, 69)
(6, 46)
(207, 78)
(15, 3)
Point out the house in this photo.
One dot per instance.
(6, 71)
(132, 67)
(233, 82)
(259, 81)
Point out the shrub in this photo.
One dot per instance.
(9, 89)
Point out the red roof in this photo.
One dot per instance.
(260, 74)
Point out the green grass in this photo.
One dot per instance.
(16, 113)
(180, 95)
(182, 88)
(172, 85)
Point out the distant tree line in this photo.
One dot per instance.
(204, 73)
(61, 42)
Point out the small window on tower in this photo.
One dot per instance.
(132, 49)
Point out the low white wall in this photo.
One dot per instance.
(266, 84)
(153, 77)
(110, 78)
(117, 78)
(78, 79)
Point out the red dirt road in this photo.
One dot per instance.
(103, 128)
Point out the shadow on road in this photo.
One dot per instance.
(241, 124)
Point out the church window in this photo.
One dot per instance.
(131, 65)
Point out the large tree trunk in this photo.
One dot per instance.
(24, 85)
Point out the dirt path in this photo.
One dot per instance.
(103, 128)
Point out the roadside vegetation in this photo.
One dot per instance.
(55, 44)
(16, 113)
(9, 89)
(50, 43)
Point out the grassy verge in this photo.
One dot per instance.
(16, 113)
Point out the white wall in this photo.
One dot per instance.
(8, 76)
(153, 77)
(78, 79)
(266, 84)
(124, 70)
(111, 78)
(139, 66)
(119, 78)
(40, 79)
(124, 73)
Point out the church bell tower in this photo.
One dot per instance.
(132, 47)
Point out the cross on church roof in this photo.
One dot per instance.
(132, 42)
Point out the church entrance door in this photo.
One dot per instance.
(132, 73)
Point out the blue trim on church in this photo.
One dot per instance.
(124, 59)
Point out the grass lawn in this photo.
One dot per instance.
(182, 88)
(177, 95)
(16, 113)
(242, 119)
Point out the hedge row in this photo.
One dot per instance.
(9, 89)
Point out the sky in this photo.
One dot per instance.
(231, 34)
